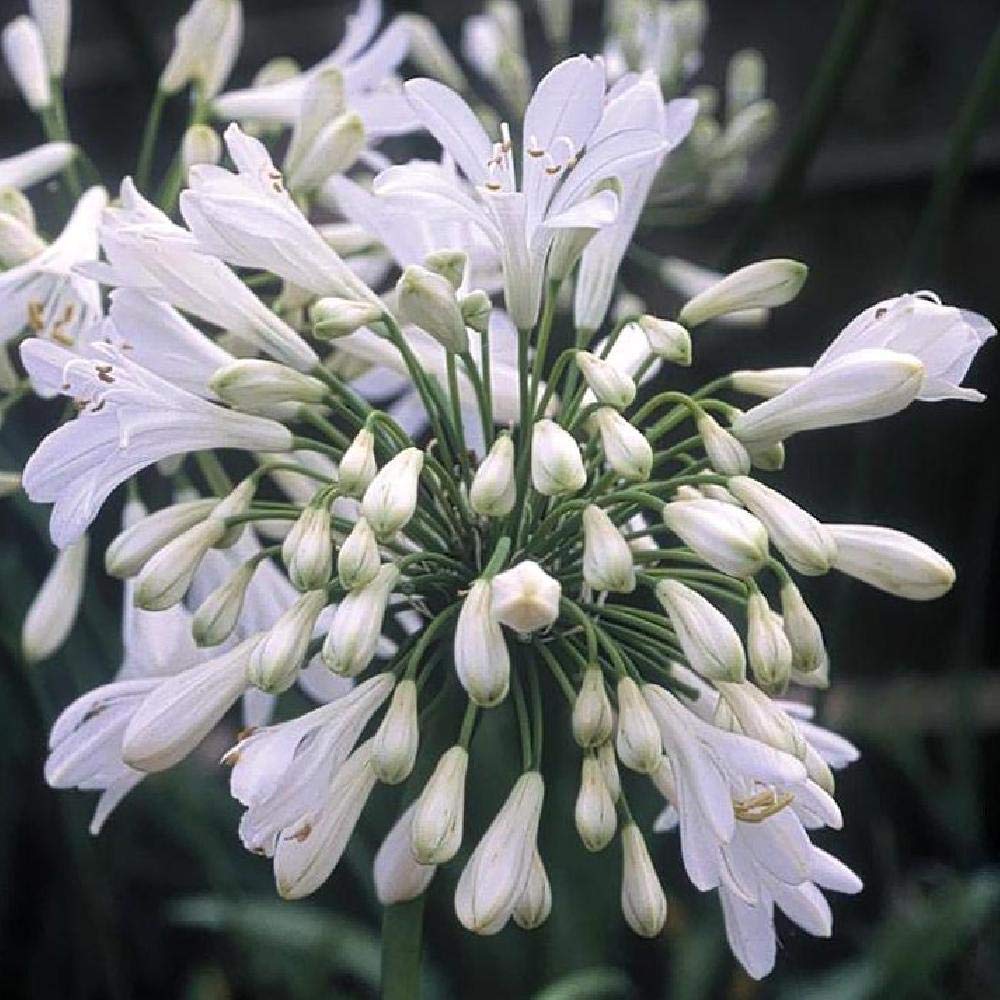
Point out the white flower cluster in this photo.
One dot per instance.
(516, 514)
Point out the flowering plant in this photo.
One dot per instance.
(433, 513)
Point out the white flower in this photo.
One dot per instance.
(494, 489)
(611, 386)
(803, 631)
(556, 190)
(207, 39)
(607, 558)
(667, 340)
(638, 739)
(391, 497)
(307, 550)
(436, 828)
(767, 382)
(626, 449)
(496, 875)
(200, 144)
(762, 285)
(53, 20)
(398, 875)
(691, 280)
(166, 576)
(710, 643)
(24, 53)
(768, 648)
(891, 561)
(864, 385)
(556, 463)
(358, 560)
(726, 537)
(526, 598)
(593, 719)
(131, 419)
(427, 300)
(275, 660)
(333, 317)
(25, 169)
(353, 638)
(357, 466)
(394, 749)
(45, 294)
(132, 549)
(726, 453)
(535, 904)
(258, 386)
(53, 609)
(643, 903)
(594, 813)
(481, 658)
(219, 613)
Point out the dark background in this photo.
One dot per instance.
(167, 904)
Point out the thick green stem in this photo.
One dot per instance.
(402, 932)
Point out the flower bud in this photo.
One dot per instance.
(494, 489)
(728, 538)
(611, 386)
(593, 718)
(476, 308)
(609, 769)
(436, 830)
(803, 631)
(166, 576)
(711, 645)
(358, 561)
(744, 708)
(607, 559)
(480, 650)
(769, 457)
(638, 739)
(10, 483)
(276, 659)
(556, 463)
(667, 340)
(768, 648)
(808, 546)
(891, 561)
(201, 144)
(535, 904)
(450, 264)
(399, 877)
(334, 150)
(768, 382)
(391, 497)
(625, 448)
(236, 503)
(427, 300)
(53, 20)
(726, 453)
(18, 241)
(745, 79)
(595, 817)
(196, 37)
(763, 285)
(498, 871)
(863, 385)
(526, 598)
(334, 317)
(430, 54)
(53, 609)
(307, 550)
(643, 903)
(218, 615)
(258, 386)
(24, 53)
(747, 129)
(357, 467)
(395, 748)
(131, 549)
(357, 624)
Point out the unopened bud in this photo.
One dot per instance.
(746, 76)
(429, 53)
(395, 748)
(24, 53)
(132, 549)
(436, 830)
(626, 449)
(358, 560)
(201, 144)
(803, 631)
(494, 489)
(54, 608)
(638, 740)
(726, 453)
(307, 550)
(667, 340)
(276, 659)
(593, 719)
(218, 615)
(767, 382)
(351, 643)
(607, 558)
(768, 648)
(611, 386)
(763, 285)
(258, 386)
(333, 151)
(608, 760)
(357, 467)
(427, 300)
(480, 650)
(450, 264)
(535, 904)
(556, 463)
(476, 308)
(594, 814)
(391, 497)
(165, 578)
(18, 241)
(728, 538)
(643, 902)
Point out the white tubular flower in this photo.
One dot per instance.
(803, 631)
(726, 453)
(263, 386)
(427, 300)
(481, 658)
(711, 645)
(179, 712)
(133, 548)
(556, 463)
(667, 340)
(638, 738)
(25, 169)
(611, 386)
(53, 20)
(394, 749)
(593, 718)
(594, 814)
(728, 538)
(863, 385)
(436, 827)
(497, 873)
(808, 546)
(357, 467)
(275, 661)
(165, 577)
(196, 44)
(332, 317)
(768, 648)
(526, 598)
(354, 632)
(944, 338)
(767, 382)
(358, 560)
(306, 857)
(689, 279)
(219, 613)
(625, 448)
(892, 561)
(607, 558)
(200, 144)
(535, 904)
(24, 53)
(53, 609)
(307, 550)
(763, 285)
(398, 875)
(391, 497)
(643, 903)
(494, 489)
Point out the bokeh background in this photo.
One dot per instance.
(883, 176)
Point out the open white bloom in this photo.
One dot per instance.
(496, 875)
(354, 632)
(526, 598)
(24, 53)
(891, 561)
(726, 537)
(481, 658)
(35, 165)
(53, 609)
(398, 875)
(607, 559)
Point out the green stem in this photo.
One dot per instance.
(456, 410)
(145, 164)
(402, 931)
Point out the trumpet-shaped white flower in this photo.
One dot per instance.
(497, 873)
(35, 165)
(131, 418)
(53, 609)
(726, 537)
(24, 53)
(398, 875)
(481, 658)
(526, 598)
